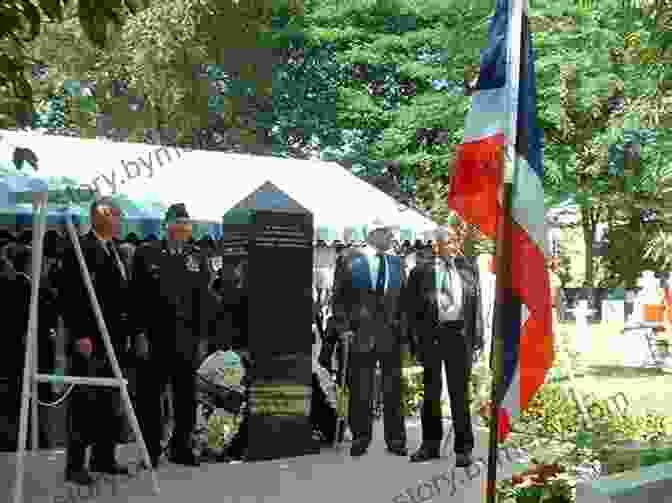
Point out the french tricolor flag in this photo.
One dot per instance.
(504, 109)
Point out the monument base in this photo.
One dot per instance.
(280, 401)
(279, 437)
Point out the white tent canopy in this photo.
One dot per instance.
(211, 183)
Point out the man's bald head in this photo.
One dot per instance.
(106, 217)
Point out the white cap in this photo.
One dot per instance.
(379, 223)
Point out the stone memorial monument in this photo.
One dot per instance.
(613, 306)
(581, 313)
(271, 236)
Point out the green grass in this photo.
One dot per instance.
(604, 376)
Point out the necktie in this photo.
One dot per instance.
(445, 294)
(112, 251)
(380, 284)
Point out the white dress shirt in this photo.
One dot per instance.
(450, 303)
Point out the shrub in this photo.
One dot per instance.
(550, 412)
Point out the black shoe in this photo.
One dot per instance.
(155, 460)
(397, 450)
(81, 477)
(110, 468)
(462, 460)
(359, 448)
(425, 453)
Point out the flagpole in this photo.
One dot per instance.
(503, 292)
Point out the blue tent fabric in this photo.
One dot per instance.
(16, 187)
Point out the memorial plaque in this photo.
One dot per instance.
(271, 237)
(281, 281)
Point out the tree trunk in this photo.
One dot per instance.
(635, 230)
(589, 224)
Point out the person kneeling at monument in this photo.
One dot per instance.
(323, 397)
(231, 292)
(322, 408)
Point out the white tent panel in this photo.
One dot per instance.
(98, 162)
(211, 183)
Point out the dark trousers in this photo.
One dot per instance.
(152, 377)
(446, 346)
(10, 394)
(362, 367)
(94, 415)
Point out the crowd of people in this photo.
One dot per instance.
(166, 307)
(153, 309)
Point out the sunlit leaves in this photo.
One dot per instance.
(21, 21)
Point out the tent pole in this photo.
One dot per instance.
(39, 215)
(36, 277)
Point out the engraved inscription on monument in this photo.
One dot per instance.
(283, 236)
(235, 243)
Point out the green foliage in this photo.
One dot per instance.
(21, 21)
(412, 393)
(553, 414)
(660, 249)
(378, 86)
(550, 412)
(626, 256)
(401, 91)
(605, 102)
(220, 431)
(407, 360)
(564, 271)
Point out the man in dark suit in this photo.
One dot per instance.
(443, 301)
(15, 286)
(95, 415)
(172, 285)
(366, 305)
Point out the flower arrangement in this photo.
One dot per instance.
(412, 392)
(542, 483)
(221, 430)
(342, 400)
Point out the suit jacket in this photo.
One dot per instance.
(111, 290)
(375, 321)
(173, 304)
(14, 326)
(420, 303)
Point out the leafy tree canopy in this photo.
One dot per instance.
(22, 21)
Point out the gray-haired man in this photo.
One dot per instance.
(443, 301)
(367, 291)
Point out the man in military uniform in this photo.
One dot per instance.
(174, 302)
